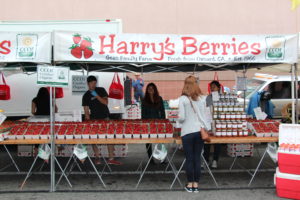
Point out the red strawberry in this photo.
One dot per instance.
(76, 51)
(76, 38)
(86, 42)
(87, 52)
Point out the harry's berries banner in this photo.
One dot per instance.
(150, 48)
(25, 47)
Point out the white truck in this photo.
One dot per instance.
(23, 86)
(278, 86)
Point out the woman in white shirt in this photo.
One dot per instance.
(192, 118)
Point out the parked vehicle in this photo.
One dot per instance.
(278, 86)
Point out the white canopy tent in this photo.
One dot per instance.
(163, 53)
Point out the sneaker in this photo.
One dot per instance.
(196, 190)
(188, 189)
(202, 165)
(214, 164)
(114, 162)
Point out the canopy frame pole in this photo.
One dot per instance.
(52, 160)
(244, 75)
(293, 92)
(113, 67)
(87, 69)
(296, 93)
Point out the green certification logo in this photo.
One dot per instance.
(275, 47)
(26, 46)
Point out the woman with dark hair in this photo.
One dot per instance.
(215, 86)
(41, 103)
(41, 106)
(152, 108)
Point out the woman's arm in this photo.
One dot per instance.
(33, 108)
(162, 109)
(181, 111)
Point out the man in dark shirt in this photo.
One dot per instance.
(95, 102)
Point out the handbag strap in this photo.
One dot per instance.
(216, 77)
(195, 111)
(118, 78)
(3, 79)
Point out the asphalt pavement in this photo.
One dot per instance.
(121, 182)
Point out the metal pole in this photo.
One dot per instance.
(293, 93)
(296, 93)
(244, 75)
(52, 160)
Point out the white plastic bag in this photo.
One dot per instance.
(80, 151)
(174, 103)
(272, 151)
(44, 152)
(160, 152)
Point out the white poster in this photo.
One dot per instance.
(79, 83)
(53, 76)
(25, 47)
(155, 48)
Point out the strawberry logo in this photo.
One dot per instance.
(76, 51)
(81, 47)
(88, 52)
(86, 42)
(76, 38)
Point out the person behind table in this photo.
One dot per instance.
(215, 86)
(152, 108)
(138, 85)
(192, 121)
(40, 105)
(95, 102)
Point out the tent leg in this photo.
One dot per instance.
(293, 93)
(52, 111)
(296, 93)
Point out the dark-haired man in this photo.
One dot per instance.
(95, 102)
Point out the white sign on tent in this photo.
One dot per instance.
(53, 76)
(25, 47)
(151, 48)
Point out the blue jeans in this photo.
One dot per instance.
(217, 152)
(138, 95)
(192, 146)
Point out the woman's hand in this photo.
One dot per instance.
(204, 130)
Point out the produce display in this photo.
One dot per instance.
(7, 125)
(229, 116)
(94, 129)
(264, 128)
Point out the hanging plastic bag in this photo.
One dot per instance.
(59, 92)
(44, 152)
(116, 89)
(160, 152)
(216, 78)
(4, 89)
(272, 151)
(81, 152)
